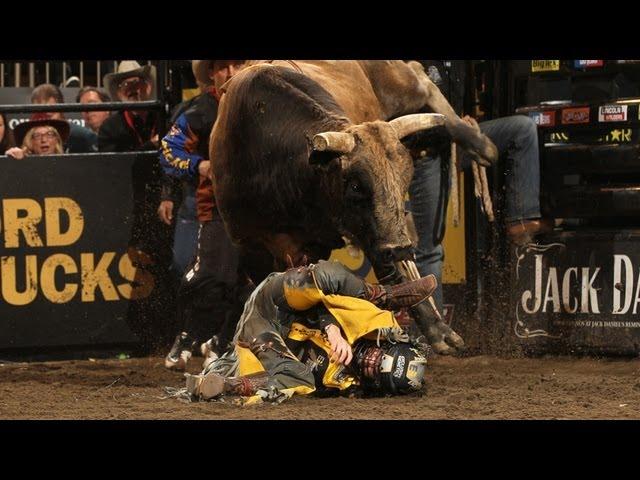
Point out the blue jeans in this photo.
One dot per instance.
(515, 136)
(185, 237)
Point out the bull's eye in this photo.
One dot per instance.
(356, 189)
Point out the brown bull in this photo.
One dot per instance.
(307, 152)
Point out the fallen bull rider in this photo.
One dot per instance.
(338, 337)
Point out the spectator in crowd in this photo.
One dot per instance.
(40, 136)
(6, 135)
(134, 130)
(212, 292)
(81, 140)
(88, 95)
(198, 113)
(130, 130)
(182, 190)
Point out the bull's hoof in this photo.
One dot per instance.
(455, 340)
(442, 348)
(444, 340)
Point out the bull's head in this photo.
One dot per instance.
(376, 169)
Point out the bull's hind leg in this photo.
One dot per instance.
(462, 133)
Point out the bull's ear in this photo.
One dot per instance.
(435, 139)
(322, 158)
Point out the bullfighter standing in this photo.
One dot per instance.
(211, 291)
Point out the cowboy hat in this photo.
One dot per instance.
(128, 69)
(40, 120)
(201, 70)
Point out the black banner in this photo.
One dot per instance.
(580, 291)
(81, 253)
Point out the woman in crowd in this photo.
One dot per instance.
(39, 136)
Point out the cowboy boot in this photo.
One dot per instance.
(523, 231)
(212, 385)
(403, 295)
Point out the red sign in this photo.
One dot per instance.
(575, 115)
(589, 63)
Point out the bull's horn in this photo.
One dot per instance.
(334, 142)
(409, 124)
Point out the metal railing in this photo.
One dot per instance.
(33, 73)
(152, 154)
(83, 107)
(157, 105)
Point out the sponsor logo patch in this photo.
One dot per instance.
(559, 137)
(545, 65)
(399, 367)
(612, 113)
(543, 119)
(623, 135)
(575, 115)
(588, 63)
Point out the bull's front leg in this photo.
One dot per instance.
(462, 133)
(440, 336)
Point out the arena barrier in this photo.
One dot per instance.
(81, 253)
(83, 258)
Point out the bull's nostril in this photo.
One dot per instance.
(404, 253)
(388, 256)
(396, 254)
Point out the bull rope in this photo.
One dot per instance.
(486, 196)
(477, 184)
(455, 195)
(410, 270)
(481, 189)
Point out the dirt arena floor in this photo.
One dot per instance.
(457, 388)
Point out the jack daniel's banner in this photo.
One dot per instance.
(580, 290)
